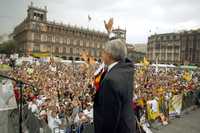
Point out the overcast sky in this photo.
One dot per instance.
(139, 17)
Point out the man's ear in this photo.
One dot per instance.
(110, 56)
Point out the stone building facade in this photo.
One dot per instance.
(175, 48)
(164, 48)
(38, 35)
(190, 46)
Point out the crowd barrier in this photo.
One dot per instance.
(31, 124)
(83, 128)
(192, 98)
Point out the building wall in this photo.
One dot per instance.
(190, 48)
(175, 48)
(35, 35)
(164, 48)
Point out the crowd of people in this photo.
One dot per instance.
(4, 59)
(63, 92)
(155, 89)
(151, 83)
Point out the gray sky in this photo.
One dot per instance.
(137, 16)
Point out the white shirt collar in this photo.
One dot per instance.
(111, 66)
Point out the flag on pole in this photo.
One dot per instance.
(150, 31)
(89, 18)
(187, 76)
(145, 61)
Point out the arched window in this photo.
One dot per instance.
(64, 50)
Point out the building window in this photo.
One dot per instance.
(71, 50)
(43, 48)
(174, 37)
(198, 44)
(49, 48)
(97, 45)
(161, 38)
(74, 51)
(87, 44)
(37, 36)
(60, 50)
(53, 39)
(92, 45)
(36, 48)
(49, 38)
(33, 26)
(68, 41)
(43, 37)
(64, 50)
(32, 36)
(92, 52)
(67, 50)
(74, 42)
(77, 50)
(57, 39)
(56, 50)
(97, 53)
(157, 46)
(103, 46)
(61, 40)
(64, 40)
(81, 43)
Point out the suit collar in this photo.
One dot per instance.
(112, 65)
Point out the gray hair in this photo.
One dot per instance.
(117, 49)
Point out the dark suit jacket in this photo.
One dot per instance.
(112, 103)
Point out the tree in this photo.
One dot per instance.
(9, 47)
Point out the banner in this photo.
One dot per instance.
(152, 109)
(7, 97)
(175, 105)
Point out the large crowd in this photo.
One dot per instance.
(156, 89)
(63, 92)
(150, 83)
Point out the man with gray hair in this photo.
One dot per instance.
(112, 103)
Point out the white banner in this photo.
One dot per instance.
(7, 97)
(175, 105)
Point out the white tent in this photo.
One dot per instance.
(164, 65)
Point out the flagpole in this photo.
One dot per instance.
(88, 23)
(89, 19)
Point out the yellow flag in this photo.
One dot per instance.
(145, 61)
(187, 76)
